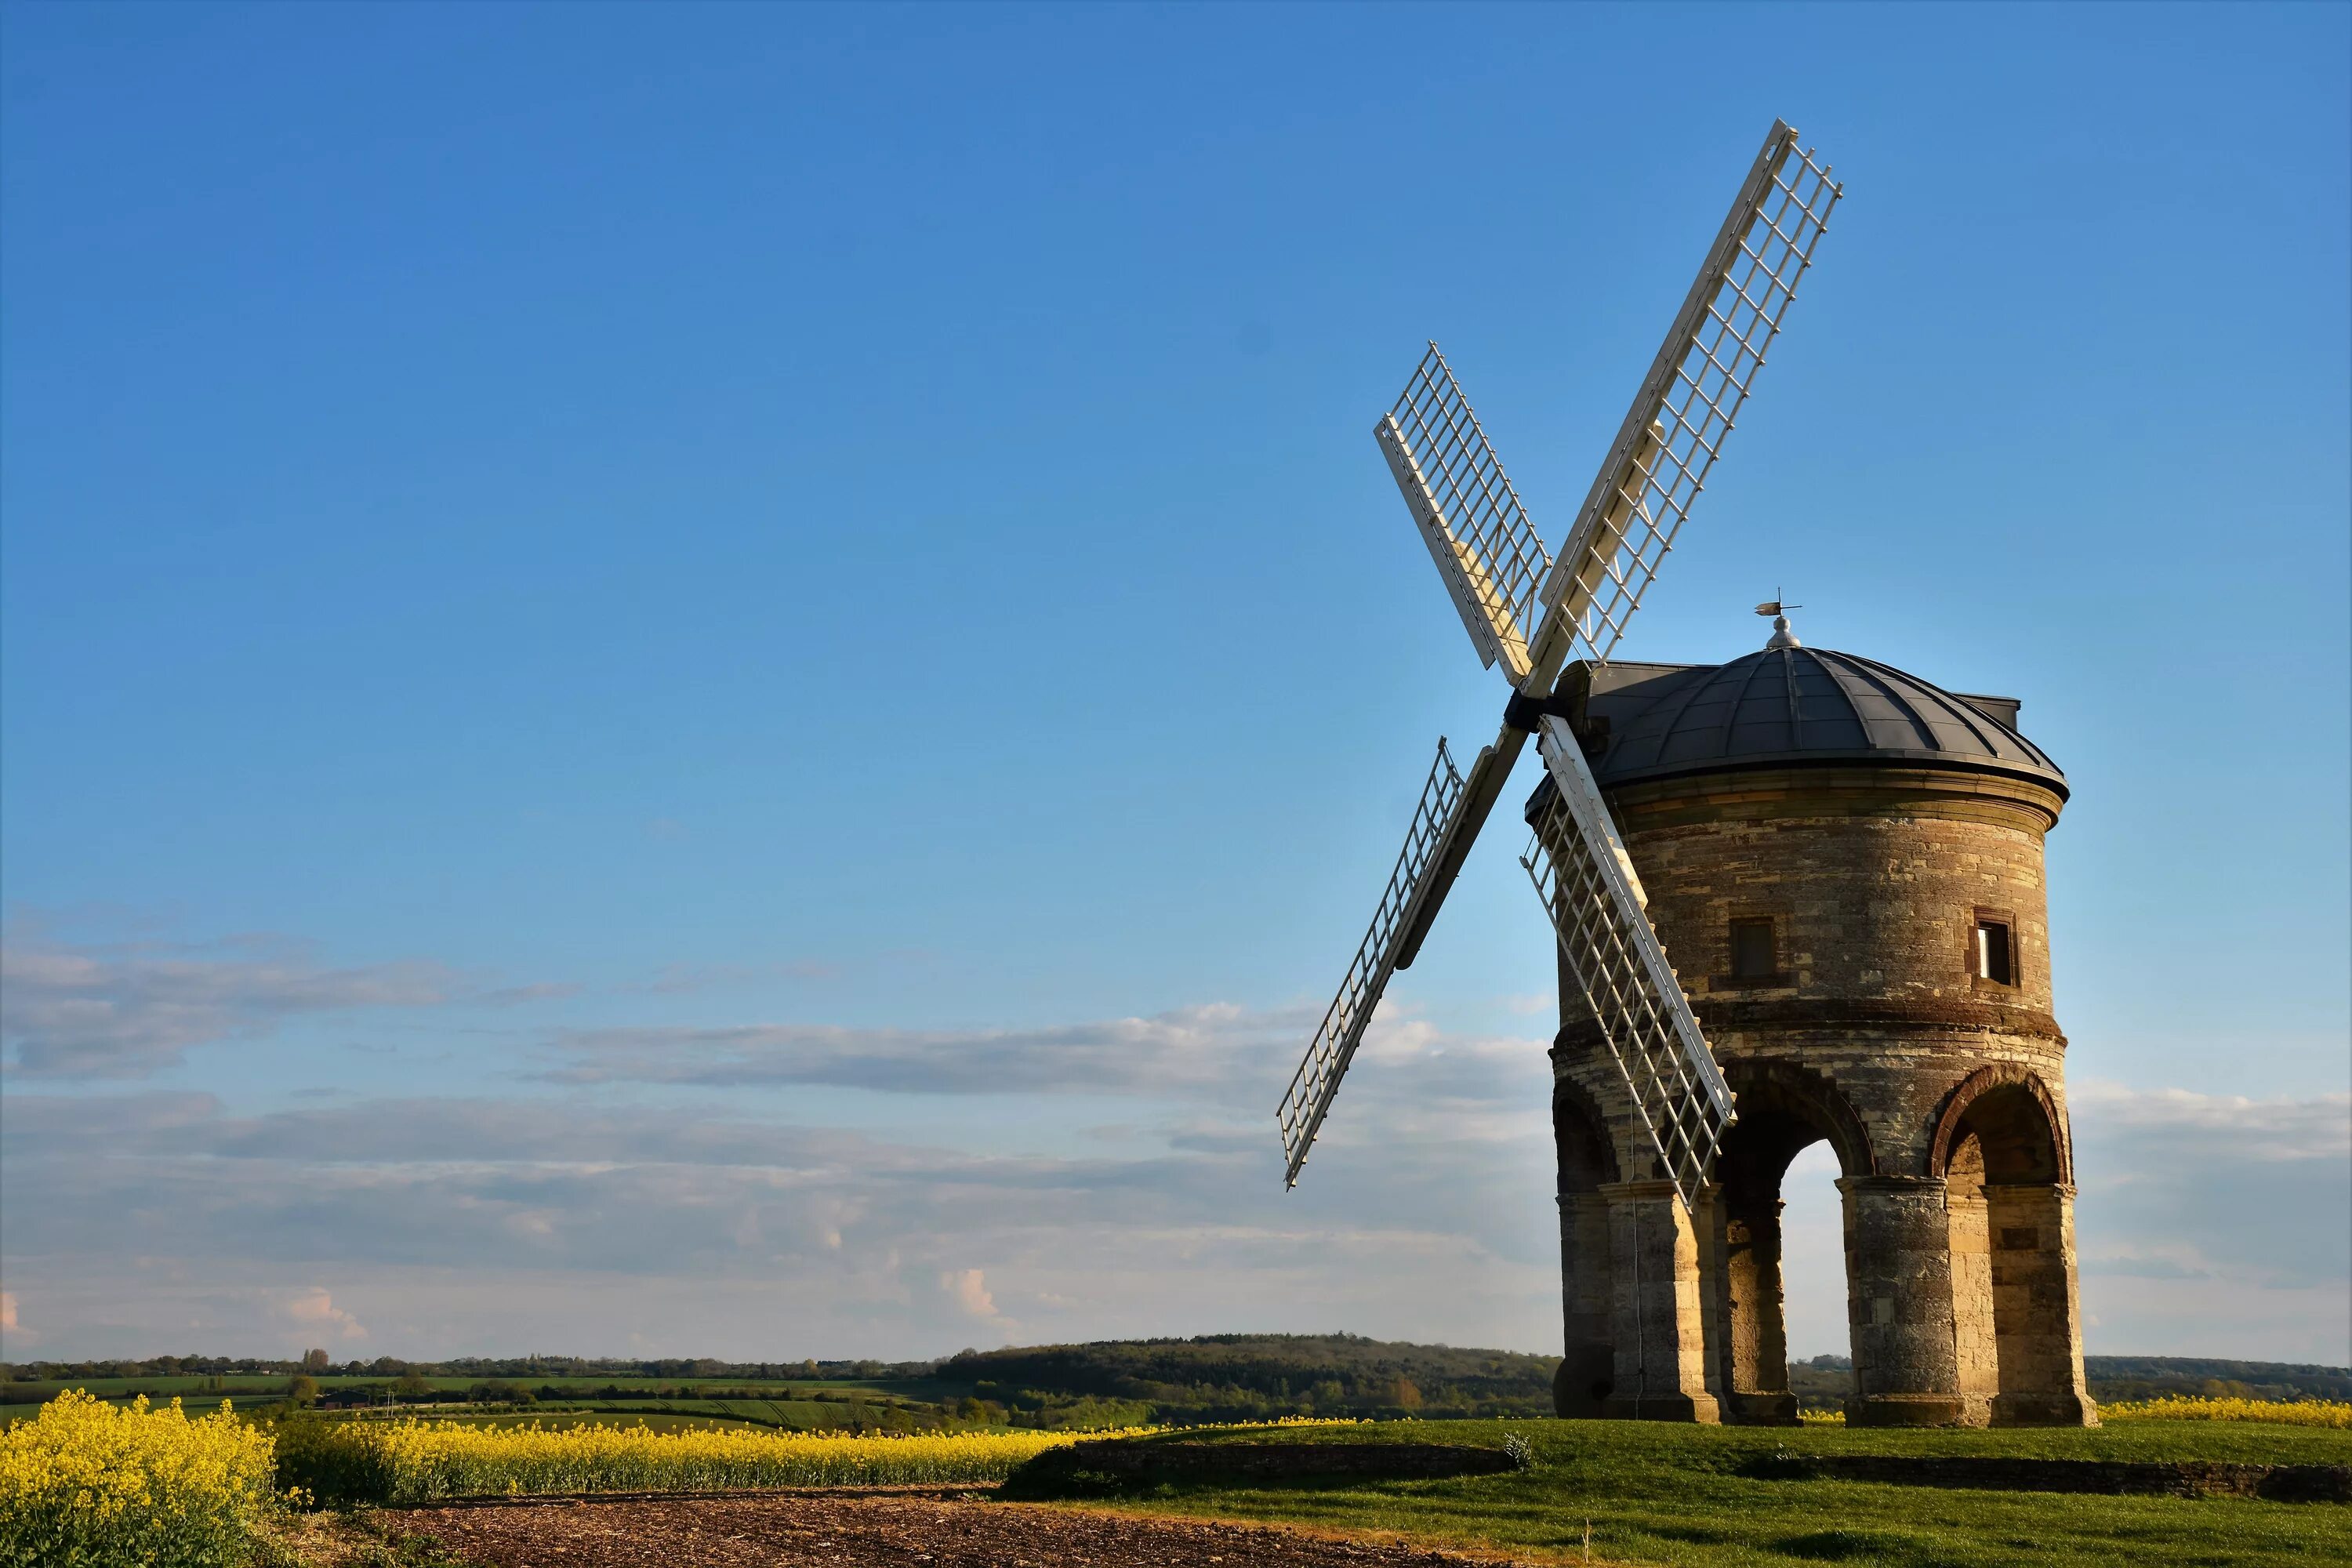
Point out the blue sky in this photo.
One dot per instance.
(541, 547)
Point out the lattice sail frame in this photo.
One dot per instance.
(1487, 552)
(1493, 560)
(1689, 400)
(1334, 1045)
(1586, 880)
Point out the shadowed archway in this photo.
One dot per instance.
(2002, 1148)
(1783, 1110)
(1587, 1163)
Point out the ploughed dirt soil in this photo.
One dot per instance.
(893, 1530)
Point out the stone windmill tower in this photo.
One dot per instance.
(1798, 896)
(1845, 863)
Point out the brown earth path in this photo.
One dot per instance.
(889, 1532)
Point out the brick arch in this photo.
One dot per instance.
(1765, 1084)
(1994, 1080)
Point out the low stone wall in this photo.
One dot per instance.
(2112, 1477)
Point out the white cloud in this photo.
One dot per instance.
(315, 1309)
(968, 1289)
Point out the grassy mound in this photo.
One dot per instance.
(1706, 1496)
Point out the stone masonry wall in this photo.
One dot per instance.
(1875, 879)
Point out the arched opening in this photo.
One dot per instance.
(1587, 1163)
(2002, 1149)
(1814, 1304)
(1783, 1111)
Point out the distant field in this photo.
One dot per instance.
(801, 1405)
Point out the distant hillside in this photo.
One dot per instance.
(1226, 1377)
(2149, 1376)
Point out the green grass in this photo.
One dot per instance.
(1660, 1493)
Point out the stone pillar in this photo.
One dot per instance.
(1588, 1365)
(1661, 1363)
(1756, 1348)
(1976, 1362)
(1707, 1226)
(1898, 1251)
(2037, 1316)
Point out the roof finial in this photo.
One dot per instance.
(1782, 635)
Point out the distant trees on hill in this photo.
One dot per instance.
(1213, 1377)
(1227, 1377)
(1823, 1382)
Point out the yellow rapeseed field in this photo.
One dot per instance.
(85, 1483)
(2177, 1407)
(430, 1459)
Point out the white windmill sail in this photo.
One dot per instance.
(1530, 612)
(1494, 564)
(1670, 439)
(1685, 407)
(1594, 897)
(1334, 1045)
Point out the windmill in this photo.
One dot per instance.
(1530, 612)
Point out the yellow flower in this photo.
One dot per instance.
(2178, 1407)
(432, 1460)
(86, 1481)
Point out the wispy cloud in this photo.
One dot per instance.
(875, 1242)
(1188, 1049)
(2311, 1127)
(2178, 1185)
(1215, 1055)
(133, 1011)
(1425, 1211)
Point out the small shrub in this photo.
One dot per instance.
(335, 1464)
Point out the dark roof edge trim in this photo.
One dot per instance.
(1784, 762)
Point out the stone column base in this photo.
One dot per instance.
(1761, 1409)
(1906, 1410)
(1581, 1385)
(1699, 1408)
(2043, 1410)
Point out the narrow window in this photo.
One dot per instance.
(1993, 959)
(1752, 953)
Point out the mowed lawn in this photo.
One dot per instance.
(1673, 1494)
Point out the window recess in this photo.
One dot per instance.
(1755, 955)
(1993, 952)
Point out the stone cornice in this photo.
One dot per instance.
(1955, 1016)
(1735, 794)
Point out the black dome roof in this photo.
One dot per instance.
(1794, 707)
